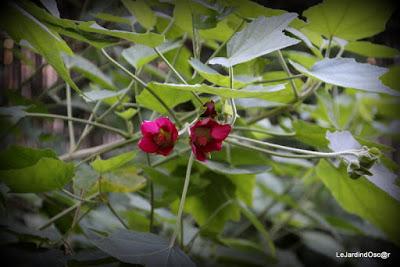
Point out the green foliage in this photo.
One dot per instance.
(26, 170)
(303, 163)
(340, 17)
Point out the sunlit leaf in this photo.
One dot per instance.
(142, 12)
(340, 18)
(362, 198)
(369, 49)
(346, 72)
(113, 163)
(127, 114)
(260, 37)
(96, 95)
(139, 55)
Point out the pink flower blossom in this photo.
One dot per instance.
(207, 135)
(159, 136)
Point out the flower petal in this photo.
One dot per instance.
(212, 146)
(149, 128)
(147, 144)
(165, 151)
(220, 132)
(200, 155)
(165, 123)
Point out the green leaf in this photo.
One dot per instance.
(260, 37)
(150, 39)
(113, 163)
(369, 49)
(362, 198)
(89, 70)
(276, 93)
(96, 95)
(310, 134)
(171, 98)
(142, 12)
(26, 170)
(140, 55)
(145, 249)
(42, 39)
(112, 18)
(127, 114)
(350, 20)
(346, 72)
(216, 194)
(121, 180)
(214, 76)
(391, 78)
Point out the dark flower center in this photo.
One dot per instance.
(163, 138)
(202, 135)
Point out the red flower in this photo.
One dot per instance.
(159, 136)
(210, 109)
(206, 135)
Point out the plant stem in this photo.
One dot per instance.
(97, 150)
(70, 122)
(305, 93)
(100, 125)
(297, 76)
(65, 212)
(176, 73)
(114, 212)
(88, 129)
(182, 202)
(234, 111)
(75, 196)
(142, 83)
(297, 150)
(263, 131)
(283, 155)
(287, 70)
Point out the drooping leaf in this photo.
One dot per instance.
(139, 55)
(346, 72)
(340, 17)
(89, 70)
(150, 39)
(260, 37)
(26, 170)
(362, 198)
(139, 248)
(113, 163)
(369, 49)
(213, 76)
(45, 42)
(142, 12)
